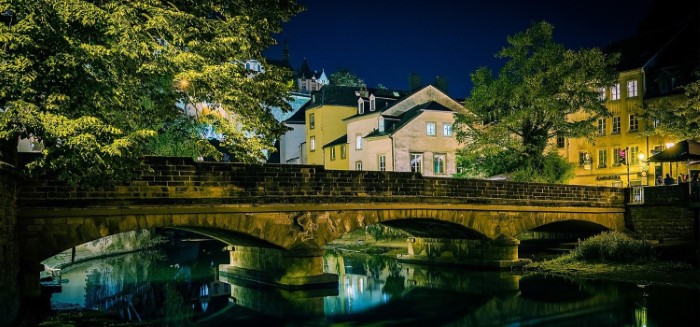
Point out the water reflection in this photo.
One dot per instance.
(182, 287)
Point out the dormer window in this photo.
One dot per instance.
(372, 103)
(360, 106)
(380, 125)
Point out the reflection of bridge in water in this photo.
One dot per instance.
(391, 292)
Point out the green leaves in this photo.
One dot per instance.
(676, 116)
(97, 81)
(541, 92)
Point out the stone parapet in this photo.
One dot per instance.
(165, 181)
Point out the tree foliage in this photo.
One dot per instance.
(675, 116)
(96, 80)
(344, 77)
(543, 91)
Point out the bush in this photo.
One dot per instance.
(614, 247)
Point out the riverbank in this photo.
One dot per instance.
(672, 268)
(666, 273)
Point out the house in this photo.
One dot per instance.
(653, 65)
(308, 81)
(410, 134)
(324, 123)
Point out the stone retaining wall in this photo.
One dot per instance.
(9, 261)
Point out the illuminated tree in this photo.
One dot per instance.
(95, 81)
(543, 91)
(344, 77)
(676, 116)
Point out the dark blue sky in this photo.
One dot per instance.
(383, 41)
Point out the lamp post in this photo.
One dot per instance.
(643, 169)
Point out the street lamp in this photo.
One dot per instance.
(643, 168)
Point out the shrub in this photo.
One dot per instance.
(614, 247)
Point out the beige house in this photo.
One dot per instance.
(413, 134)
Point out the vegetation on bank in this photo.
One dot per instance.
(617, 256)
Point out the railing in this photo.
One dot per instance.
(637, 195)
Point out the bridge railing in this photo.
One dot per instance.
(637, 195)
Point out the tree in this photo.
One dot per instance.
(96, 80)
(543, 91)
(675, 116)
(344, 77)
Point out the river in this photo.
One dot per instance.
(179, 286)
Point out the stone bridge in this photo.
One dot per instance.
(278, 218)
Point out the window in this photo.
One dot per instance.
(332, 153)
(358, 165)
(616, 125)
(615, 92)
(602, 158)
(634, 122)
(616, 157)
(358, 141)
(372, 103)
(360, 106)
(382, 163)
(446, 129)
(380, 123)
(416, 162)
(430, 128)
(632, 88)
(312, 121)
(343, 152)
(634, 153)
(601, 93)
(312, 143)
(561, 142)
(602, 126)
(439, 164)
(583, 159)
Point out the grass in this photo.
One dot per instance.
(616, 256)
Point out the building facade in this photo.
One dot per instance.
(653, 66)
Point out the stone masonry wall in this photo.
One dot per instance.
(663, 215)
(9, 292)
(183, 181)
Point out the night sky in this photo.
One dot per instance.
(383, 41)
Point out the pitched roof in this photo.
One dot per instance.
(393, 124)
(299, 117)
(341, 140)
(334, 95)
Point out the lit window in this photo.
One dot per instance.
(312, 121)
(382, 163)
(439, 164)
(446, 129)
(615, 92)
(616, 157)
(358, 165)
(602, 158)
(416, 162)
(632, 88)
(634, 122)
(343, 152)
(601, 93)
(633, 157)
(312, 143)
(602, 126)
(430, 128)
(332, 153)
(616, 125)
(583, 159)
(358, 142)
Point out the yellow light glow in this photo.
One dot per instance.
(668, 145)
